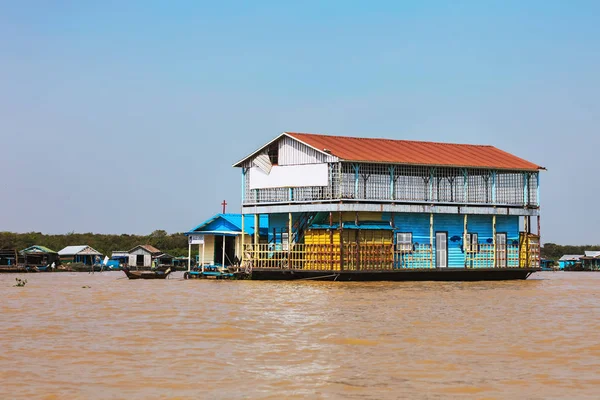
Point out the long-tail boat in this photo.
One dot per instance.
(146, 274)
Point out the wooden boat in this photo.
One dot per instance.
(146, 274)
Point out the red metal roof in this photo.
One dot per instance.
(414, 152)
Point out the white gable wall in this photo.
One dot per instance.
(292, 152)
(140, 251)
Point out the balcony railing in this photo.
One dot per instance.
(378, 257)
(410, 184)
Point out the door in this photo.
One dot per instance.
(441, 249)
(501, 250)
(229, 250)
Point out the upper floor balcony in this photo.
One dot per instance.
(315, 169)
(369, 182)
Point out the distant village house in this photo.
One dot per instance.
(80, 254)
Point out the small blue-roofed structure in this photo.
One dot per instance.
(569, 261)
(220, 237)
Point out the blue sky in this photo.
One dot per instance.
(125, 117)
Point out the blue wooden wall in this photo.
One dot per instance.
(453, 224)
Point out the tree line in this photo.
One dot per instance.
(175, 244)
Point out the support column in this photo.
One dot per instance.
(243, 184)
(243, 238)
(537, 176)
(465, 245)
(526, 240)
(357, 240)
(189, 254)
(525, 188)
(465, 186)
(237, 245)
(331, 252)
(201, 260)
(223, 255)
(494, 187)
(341, 228)
(290, 227)
(392, 182)
(431, 239)
(356, 169)
(494, 239)
(431, 184)
(256, 228)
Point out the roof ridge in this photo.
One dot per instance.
(391, 140)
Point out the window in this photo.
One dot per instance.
(273, 153)
(404, 241)
(472, 242)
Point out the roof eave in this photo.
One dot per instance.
(238, 164)
(537, 168)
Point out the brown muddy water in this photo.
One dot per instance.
(190, 339)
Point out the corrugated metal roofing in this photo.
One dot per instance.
(592, 253)
(413, 152)
(570, 257)
(37, 249)
(147, 247)
(71, 250)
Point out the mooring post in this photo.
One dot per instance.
(189, 253)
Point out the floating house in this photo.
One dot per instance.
(164, 259)
(547, 264)
(220, 238)
(591, 261)
(349, 208)
(568, 261)
(181, 262)
(143, 255)
(120, 256)
(80, 254)
(39, 255)
(8, 257)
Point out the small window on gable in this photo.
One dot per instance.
(472, 244)
(273, 153)
(404, 241)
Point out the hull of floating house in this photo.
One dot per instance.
(439, 274)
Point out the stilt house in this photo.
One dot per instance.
(345, 204)
(39, 255)
(79, 254)
(143, 255)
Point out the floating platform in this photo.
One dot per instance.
(439, 274)
(214, 272)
